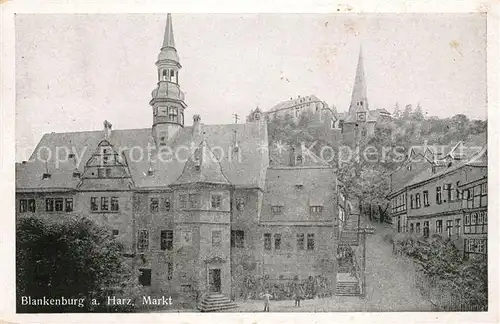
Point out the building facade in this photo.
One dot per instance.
(450, 201)
(197, 207)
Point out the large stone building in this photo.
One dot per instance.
(351, 127)
(198, 207)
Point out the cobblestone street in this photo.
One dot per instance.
(388, 287)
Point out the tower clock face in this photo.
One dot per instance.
(162, 111)
(361, 117)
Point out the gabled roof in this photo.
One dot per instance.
(246, 169)
(106, 159)
(202, 167)
(480, 159)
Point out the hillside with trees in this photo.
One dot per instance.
(364, 181)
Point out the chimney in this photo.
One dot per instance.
(107, 129)
(196, 125)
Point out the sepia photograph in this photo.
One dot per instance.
(242, 163)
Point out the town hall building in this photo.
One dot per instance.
(198, 207)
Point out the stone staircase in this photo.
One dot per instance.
(347, 285)
(215, 302)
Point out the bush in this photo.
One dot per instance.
(72, 259)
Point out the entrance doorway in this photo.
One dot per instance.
(214, 280)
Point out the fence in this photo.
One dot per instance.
(439, 294)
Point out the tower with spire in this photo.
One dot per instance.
(359, 122)
(167, 98)
(359, 98)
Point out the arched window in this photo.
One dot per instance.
(164, 75)
(172, 76)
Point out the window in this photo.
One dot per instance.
(449, 227)
(59, 204)
(114, 204)
(426, 198)
(448, 189)
(153, 205)
(477, 196)
(49, 204)
(216, 201)
(170, 270)
(193, 200)
(439, 226)
(483, 194)
(277, 241)
(426, 228)
(476, 223)
(417, 200)
(93, 203)
(172, 113)
(166, 240)
(27, 205)
(316, 209)
(104, 203)
(167, 204)
(457, 226)
(457, 192)
(411, 228)
(216, 238)
(277, 210)
(185, 288)
(417, 228)
(100, 172)
(300, 241)
(238, 239)
(475, 246)
(142, 240)
(69, 205)
(267, 241)
(438, 195)
(240, 204)
(145, 277)
(182, 201)
(412, 205)
(297, 112)
(108, 172)
(310, 241)
(399, 203)
(115, 233)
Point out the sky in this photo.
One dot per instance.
(73, 71)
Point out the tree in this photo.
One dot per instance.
(418, 114)
(397, 112)
(75, 258)
(407, 112)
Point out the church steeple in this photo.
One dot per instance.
(359, 100)
(168, 99)
(168, 39)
